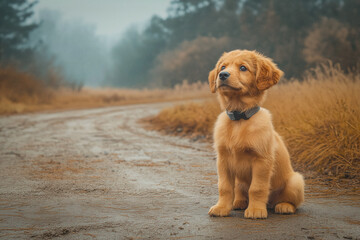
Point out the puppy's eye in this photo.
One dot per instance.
(243, 68)
(223, 67)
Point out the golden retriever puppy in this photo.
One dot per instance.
(254, 168)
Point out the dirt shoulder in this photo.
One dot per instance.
(98, 173)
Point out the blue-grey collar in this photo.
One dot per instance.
(236, 115)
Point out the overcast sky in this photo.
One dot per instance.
(110, 17)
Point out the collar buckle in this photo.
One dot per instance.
(231, 115)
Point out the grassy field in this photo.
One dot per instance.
(22, 93)
(318, 117)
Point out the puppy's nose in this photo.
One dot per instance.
(224, 75)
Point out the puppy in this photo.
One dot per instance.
(253, 164)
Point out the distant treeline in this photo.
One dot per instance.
(297, 34)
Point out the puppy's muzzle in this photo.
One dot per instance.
(224, 75)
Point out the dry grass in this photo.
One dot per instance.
(192, 119)
(21, 92)
(17, 88)
(319, 119)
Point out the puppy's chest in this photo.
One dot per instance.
(233, 136)
(235, 139)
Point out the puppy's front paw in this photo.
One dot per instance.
(218, 211)
(285, 208)
(240, 204)
(255, 213)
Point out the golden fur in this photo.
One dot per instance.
(254, 168)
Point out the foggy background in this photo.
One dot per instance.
(161, 43)
(80, 35)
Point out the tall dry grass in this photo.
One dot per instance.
(17, 88)
(319, 118)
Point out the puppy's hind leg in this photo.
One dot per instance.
(292, 195)
(241, 195)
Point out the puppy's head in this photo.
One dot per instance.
(243, 72)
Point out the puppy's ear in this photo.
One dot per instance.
(213, 74)
(212, 80)
(267, 73)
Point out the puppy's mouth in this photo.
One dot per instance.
(226, 86)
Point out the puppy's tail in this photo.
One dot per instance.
(295, 189)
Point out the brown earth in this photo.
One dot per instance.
(98, 174)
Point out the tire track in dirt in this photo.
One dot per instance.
(98, 174)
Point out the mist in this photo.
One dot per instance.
(74, 47)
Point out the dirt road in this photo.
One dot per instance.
(97, 174)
